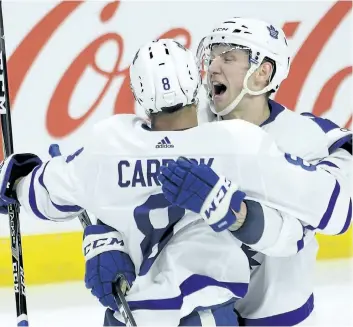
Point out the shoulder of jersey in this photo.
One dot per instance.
(298, 135)
(116, 125)
(336, 136)
(115, 120)
(229, 125)
(105, 132)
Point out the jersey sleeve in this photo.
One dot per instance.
(321, 200)
(278, 232)
(338, 163)
(60, 188)
(272, 232)
(315, 194)
(290, 199)
(55, 189)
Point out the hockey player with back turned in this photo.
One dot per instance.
(178, 262)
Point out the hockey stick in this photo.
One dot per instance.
(13, 209)
(121, 282)
(124, 308)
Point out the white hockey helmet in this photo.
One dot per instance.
(261, 39)
(164, 76)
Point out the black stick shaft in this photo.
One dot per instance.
(13, 210)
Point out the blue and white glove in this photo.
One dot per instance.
(15, 167)
(198, 188)
(106, 259)
(12, 169)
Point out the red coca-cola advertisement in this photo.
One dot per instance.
(68, 61)
(322, 35)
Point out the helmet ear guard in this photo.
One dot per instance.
(265, 44)
(164, 76)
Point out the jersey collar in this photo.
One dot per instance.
(275, 110)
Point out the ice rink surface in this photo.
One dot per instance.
(70, 304)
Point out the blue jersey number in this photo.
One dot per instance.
(155, 238)
(165, 82)
(297, 161)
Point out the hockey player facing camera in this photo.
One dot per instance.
(246, 60)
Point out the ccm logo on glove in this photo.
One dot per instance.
(218, 199)
(94, 245)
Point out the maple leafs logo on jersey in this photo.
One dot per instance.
(250, 253)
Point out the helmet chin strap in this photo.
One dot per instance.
(244, 91)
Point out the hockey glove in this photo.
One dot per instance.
(103, 249)
(12, 169)
(198, 188)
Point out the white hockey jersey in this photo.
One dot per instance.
(281, 284)
(115, 178)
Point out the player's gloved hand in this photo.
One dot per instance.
(198, 188)
(12, 169)
(105, 257)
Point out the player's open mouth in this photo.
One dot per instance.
(218, 89)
